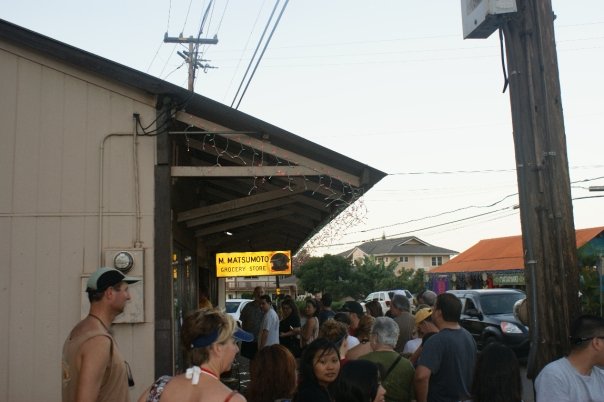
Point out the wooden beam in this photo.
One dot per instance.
(241, 239)
(228, 226)
(241, 171)
(307, 213)
(231, 214)
(234, 204)
(300, 221)
(318, 167)
(320, 205)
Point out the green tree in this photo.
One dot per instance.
(589, 285)
(370, 275)
(410, 279)
(327, 274)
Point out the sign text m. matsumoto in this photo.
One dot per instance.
(257, 263)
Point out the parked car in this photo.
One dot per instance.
(234, 307)
(384, 297)
(488, 314)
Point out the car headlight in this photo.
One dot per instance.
(509, 328)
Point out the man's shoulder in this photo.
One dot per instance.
(383, 357)
(557, 366)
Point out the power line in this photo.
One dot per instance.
(255, 51)
(243, 51)
(186, 17)
(457, 210)
(262, 54)
(436, 225)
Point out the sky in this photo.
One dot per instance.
(390, 83)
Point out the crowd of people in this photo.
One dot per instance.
(354, 354)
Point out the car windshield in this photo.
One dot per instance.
(499, 303)
(231, 306)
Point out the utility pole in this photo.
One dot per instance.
(190, 57)
(546, 214)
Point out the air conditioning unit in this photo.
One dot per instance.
(480, 17)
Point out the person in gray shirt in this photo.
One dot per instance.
(444, 369)
(399, 310)
(579, 376)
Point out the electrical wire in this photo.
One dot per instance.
(186, 17)
(161, 42)
(195, 56)
(435, 226)
(262, 54)
(270, 18)
(243, 51)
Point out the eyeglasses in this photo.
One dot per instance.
(577, 341)
(129, 372)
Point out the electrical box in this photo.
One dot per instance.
(130, 261)
(480, 17)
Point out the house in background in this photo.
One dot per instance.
(499, 262)
(408, 252)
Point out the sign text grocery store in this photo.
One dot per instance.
(253, 263)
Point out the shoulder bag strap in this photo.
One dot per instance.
(392, 367)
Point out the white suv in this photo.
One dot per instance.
(384, 297)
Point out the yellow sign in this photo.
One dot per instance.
(253, 264)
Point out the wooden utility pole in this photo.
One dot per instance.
(546, 213)
(190, 57)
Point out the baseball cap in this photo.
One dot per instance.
(207, 340)
(105, 277)
(353, 307)
(422, 314)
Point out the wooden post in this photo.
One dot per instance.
(546, 213)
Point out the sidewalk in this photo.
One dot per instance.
(239, 376)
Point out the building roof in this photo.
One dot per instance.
(247, 208)
(501, 254)
(409, 245)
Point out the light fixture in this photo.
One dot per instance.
(123, 261)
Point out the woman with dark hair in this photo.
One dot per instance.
(310, 329)
(289, 327)
(319, 370)
(272, 375)
(374, 308)
(359, 382)
(497, 375)
(209, 337)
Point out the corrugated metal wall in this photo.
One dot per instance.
(52, 122)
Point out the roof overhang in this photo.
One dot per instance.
(258, 189)
(239, 183)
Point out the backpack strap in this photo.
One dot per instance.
(392, 367)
